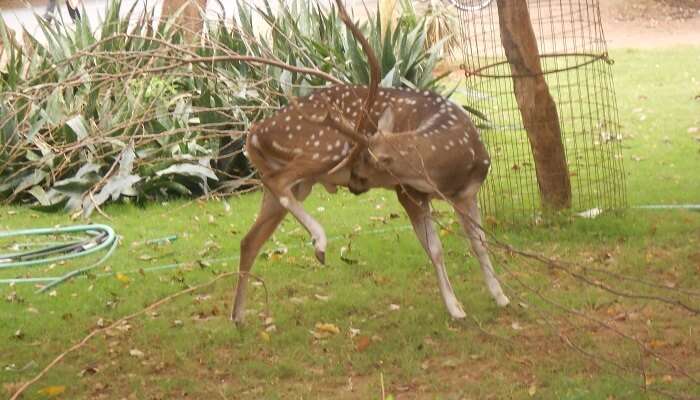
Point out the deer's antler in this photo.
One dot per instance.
(375, 76)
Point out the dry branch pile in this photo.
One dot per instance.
(133, 109)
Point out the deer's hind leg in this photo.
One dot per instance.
(270, 215)
(417, 206)
(467, 208)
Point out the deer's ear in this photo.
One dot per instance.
(386, 121)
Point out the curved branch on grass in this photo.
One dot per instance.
(120, 321)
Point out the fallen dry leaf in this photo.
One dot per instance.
(362, 342)
(136, 353)
(450, 363)
(122, 278)
(532, 390)
(88, 371)
(323, 330)
(51, 391)
(344, 255)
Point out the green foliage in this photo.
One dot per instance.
(134, 110)
(305, 34)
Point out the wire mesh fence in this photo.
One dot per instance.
(577, 69)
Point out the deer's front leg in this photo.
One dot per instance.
(417, 206)
(279, 184)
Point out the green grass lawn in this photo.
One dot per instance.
(384, 291)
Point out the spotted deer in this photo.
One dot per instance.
(414, 142)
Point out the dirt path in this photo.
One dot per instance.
(649, 24)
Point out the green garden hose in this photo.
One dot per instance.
(99, 237)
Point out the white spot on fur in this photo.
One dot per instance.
(284, 201)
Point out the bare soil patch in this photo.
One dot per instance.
(651, 23)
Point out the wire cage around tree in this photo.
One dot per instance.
(577, 70)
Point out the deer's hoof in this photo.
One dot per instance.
(238, 320)
(502, 301)
(321, 256)
(454, 307)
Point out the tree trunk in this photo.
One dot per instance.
(190, 18)
(537, 107)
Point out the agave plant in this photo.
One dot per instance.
(91, 115)
(303, 33)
